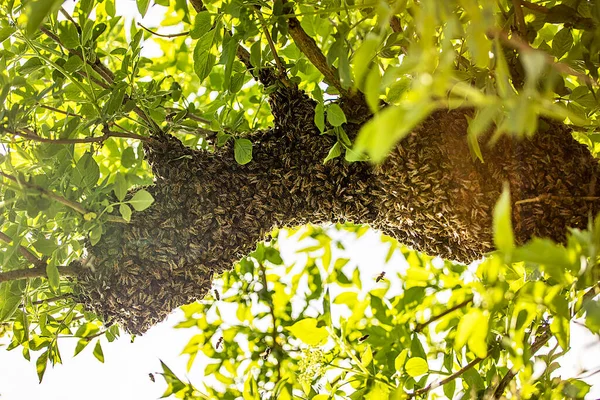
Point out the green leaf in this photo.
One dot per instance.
(367, 356)
(381, 133)
(37, 11)
(307, 331)
(242, 151)
(81, 344)
(202, 24)
(335, 115)
(10, 298)
(98, 353)
(53, 276)
(41, 364)
(70, 37)
(128, 159)
(125, 212)
(141, 200)
(204, 61)
(142, 6)
(473, 330)
(335, 151)
(320, 117)
(45, 246)
(416, 366)
(86, 172)
(363, 56)
(503, 231)
(401, 360)
(562, 42)
(592, 315)
(120, 187)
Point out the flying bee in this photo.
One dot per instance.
(219, 342)
(151, 375)
(380, 276)
(217, 295)
(265, 354)
(363, 338)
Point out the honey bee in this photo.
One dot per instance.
(151, 375)
(380, 276)
(217, 295)
(265, 354)
(219, 342)
(363, 338)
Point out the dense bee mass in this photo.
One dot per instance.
(429, 194)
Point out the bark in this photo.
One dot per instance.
(430, 194)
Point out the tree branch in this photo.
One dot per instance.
(51, 195)
(535, 7)
(97, 139)
(169, 36)
(543, 197)
(282, 72)
(24, 252)
(37, 272)
(309, 48)
(450, 378)
(422, 325)
(59, 111)
(516, 43)
(519, 18)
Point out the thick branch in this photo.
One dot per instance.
(24, 252)
(309, 48)
(37, 272)
(535, 7)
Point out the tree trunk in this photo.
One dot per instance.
(430, 194)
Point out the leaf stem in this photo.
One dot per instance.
(171, 35)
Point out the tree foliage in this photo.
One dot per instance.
(80, 95)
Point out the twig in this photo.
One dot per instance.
(422, 325)
(189, 115)
(535, 7)
(68, 16)
(452, 377)
(97, 139)
(71, 204)
(37, 272)
(541, 339)
(282, 72)
(395, 24)
(544, 197)
(24, 252)
(53, 299)
(515, 42)
(274, 332)
(59, 111)
(520, 19)
(171, 35)
(198, 5)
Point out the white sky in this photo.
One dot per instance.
(124, 375)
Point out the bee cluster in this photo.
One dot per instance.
(430, 194)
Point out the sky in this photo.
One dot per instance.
(124, 375)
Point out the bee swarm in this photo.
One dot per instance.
(429, 194)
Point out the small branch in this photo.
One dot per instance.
(24, 252)
(37, 272)
(520, 19)
(198, 5)
(452, 377)
(516, 43)
(540, 340)
(395, 24)
(68, 16)
(51, 195)
(282, 72)
(53, 299)
(309, 48)
(59, 111)
(544, 197)
(189, 115)
(98, 139)
(172, 35)
(535, 7)
(274, 332)
(422, 325)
